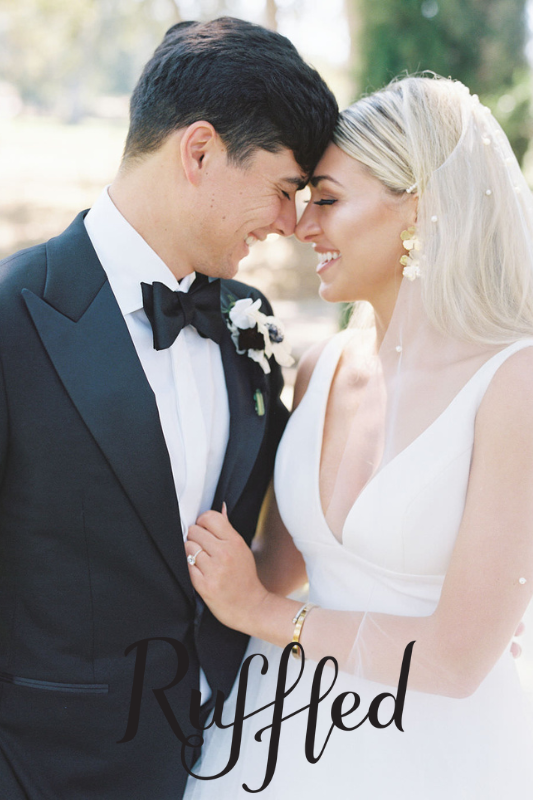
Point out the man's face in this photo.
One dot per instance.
(238, 206)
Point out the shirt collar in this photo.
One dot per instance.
(125, 256)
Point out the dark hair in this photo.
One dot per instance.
(250, 83)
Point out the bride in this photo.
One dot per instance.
(404, 480)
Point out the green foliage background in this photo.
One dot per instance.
(479, 42)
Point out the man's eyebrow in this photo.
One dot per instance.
(299, 181)
(315, 180)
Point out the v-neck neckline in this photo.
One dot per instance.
(340, 344)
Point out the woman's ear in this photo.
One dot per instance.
(411, 209)
(198, 146)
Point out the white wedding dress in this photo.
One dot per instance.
(396, 553)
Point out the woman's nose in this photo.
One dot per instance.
(307, 227)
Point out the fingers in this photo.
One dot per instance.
(212, 547)
(198, 554)
(217, 524)
(202, 538)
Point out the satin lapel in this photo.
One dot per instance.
(96, 361)
(247, 427)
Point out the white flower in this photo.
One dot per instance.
(259, 356)
(245, 313)
(411, 272)
(266, 332)
(277, 343)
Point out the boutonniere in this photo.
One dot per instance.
(257, 334)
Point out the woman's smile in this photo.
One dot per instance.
(326, 259)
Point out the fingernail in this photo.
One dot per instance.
(224, 509)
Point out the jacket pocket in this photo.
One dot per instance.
(77, 688)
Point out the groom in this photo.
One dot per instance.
(126, 410)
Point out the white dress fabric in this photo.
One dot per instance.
(397, 543)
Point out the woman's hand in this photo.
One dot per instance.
(225, 574)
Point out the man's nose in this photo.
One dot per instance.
(307, 228)
(286, 221)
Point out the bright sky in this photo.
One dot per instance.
(321, 31)
(317, 28)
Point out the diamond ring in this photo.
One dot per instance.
(192, 559)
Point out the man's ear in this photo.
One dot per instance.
(199, 145)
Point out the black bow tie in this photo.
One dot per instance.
(169, 312)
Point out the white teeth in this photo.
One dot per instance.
(250, 240)
(323, 258)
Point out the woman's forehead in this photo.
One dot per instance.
(339, 168)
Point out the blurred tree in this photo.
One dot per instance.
(61, 54)
(480, 42)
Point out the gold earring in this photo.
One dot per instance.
(409, 262)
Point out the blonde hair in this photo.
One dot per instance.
(431, 137)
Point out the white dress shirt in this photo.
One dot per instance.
(187, 378)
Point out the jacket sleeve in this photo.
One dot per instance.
(3, 424)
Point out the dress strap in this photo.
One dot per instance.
(486, 373)
(327, 362)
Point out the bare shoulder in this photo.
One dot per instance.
(306, 367)
(507, 407)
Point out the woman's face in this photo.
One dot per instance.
(354, 218)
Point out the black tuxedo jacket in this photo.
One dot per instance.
(91, 553)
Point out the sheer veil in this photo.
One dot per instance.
(466, 296)
(473, 291)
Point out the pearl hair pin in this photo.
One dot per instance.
(522, 580)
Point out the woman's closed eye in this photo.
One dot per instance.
(323, 202)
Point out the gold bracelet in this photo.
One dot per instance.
(299, 620)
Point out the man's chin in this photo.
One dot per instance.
(225, 271)
(229, 271)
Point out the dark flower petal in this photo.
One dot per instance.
(274, 333)
(251, 339)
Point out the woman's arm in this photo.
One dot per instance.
(280, 565)
(483, 598)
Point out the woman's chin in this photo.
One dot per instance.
(332, 294)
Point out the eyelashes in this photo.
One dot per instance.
(328, 202)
